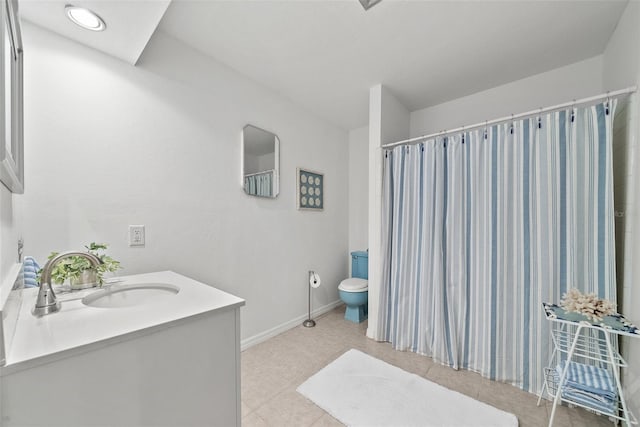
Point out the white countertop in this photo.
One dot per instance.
(78, 328)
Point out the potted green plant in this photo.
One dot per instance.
(78, 270)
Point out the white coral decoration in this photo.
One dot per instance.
(588, 304)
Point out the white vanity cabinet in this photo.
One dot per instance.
(180, 369)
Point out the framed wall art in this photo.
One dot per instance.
(310, 194)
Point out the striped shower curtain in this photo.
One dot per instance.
(481, 227)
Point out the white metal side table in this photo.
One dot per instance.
(588, 345)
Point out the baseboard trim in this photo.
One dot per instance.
(270, 333)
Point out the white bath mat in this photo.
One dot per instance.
(360, 390)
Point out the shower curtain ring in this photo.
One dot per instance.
(540, 119)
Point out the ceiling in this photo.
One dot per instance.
(324, 55)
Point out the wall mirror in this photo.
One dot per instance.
(260, 162)
(11, 127)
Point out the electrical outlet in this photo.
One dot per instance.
(136, 235)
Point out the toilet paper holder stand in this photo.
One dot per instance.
(314, 282)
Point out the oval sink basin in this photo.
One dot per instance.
(130, 295)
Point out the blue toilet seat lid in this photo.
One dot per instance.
(354, 284)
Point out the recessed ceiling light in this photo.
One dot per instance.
(85, 18)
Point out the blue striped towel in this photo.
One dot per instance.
(590, 400)
(589, 378)
(589, 385)
(31, 268)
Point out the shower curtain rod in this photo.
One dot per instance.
(532, 113)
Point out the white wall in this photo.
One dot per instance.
(621, 58)
(109, 144)
(358, 189)
(388, 122)
(621, 68)
(563, 84)
(623, 199)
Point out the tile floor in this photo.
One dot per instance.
(272, 370)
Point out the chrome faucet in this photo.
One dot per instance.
(47, 303)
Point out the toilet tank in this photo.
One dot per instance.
(360, 264)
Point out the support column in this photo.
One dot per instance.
(388, 122)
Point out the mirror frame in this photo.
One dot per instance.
(12, 159)
(276, 161)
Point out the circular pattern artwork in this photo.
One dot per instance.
(310, 194)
